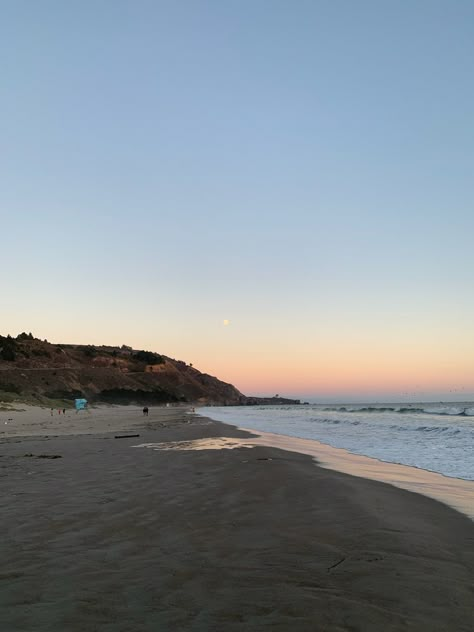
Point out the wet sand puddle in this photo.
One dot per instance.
(214, 443)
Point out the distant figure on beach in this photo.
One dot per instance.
(145, 411)
(51, 412)
(59, 411)
(64, 411)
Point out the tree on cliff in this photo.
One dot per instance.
(8, 348)
(148, 356)
(25, 336)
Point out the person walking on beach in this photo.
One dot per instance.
(145, 411)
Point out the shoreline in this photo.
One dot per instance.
(108, 535)
(32, 421)
(457, 493)
(434, 441)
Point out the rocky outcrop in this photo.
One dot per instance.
(270, 401)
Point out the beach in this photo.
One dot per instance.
(144, 533)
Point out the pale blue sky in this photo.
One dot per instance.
(304, 169)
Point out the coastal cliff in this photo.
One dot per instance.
(38, 371)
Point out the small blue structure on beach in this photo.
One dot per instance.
(80, 404)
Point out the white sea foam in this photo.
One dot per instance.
(434, 437)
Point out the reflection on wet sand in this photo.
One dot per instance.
(212, 443)
(456, 493)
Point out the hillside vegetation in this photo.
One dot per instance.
(36, 370)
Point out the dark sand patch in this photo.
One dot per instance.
(112, 538)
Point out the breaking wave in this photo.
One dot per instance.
(447, 430)
(452, 411)
(437, 437)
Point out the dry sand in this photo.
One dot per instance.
(111, 537)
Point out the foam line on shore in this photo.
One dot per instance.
(454, 492)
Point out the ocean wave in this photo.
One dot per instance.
(400, 433)
(451, 411)
(445, 430)
(362, 409)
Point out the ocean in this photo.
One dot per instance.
(435, 437)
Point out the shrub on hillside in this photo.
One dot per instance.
(148, 357)
(8, 354)
(8, 347)
(25, 336)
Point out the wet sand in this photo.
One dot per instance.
(454, 492)
(112, 537)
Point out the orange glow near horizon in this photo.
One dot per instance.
(334, 362)
(419, 371)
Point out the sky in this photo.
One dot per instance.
(278, 192)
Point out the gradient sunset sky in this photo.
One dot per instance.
(300, 169)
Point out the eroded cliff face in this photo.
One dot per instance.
(40, 371)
